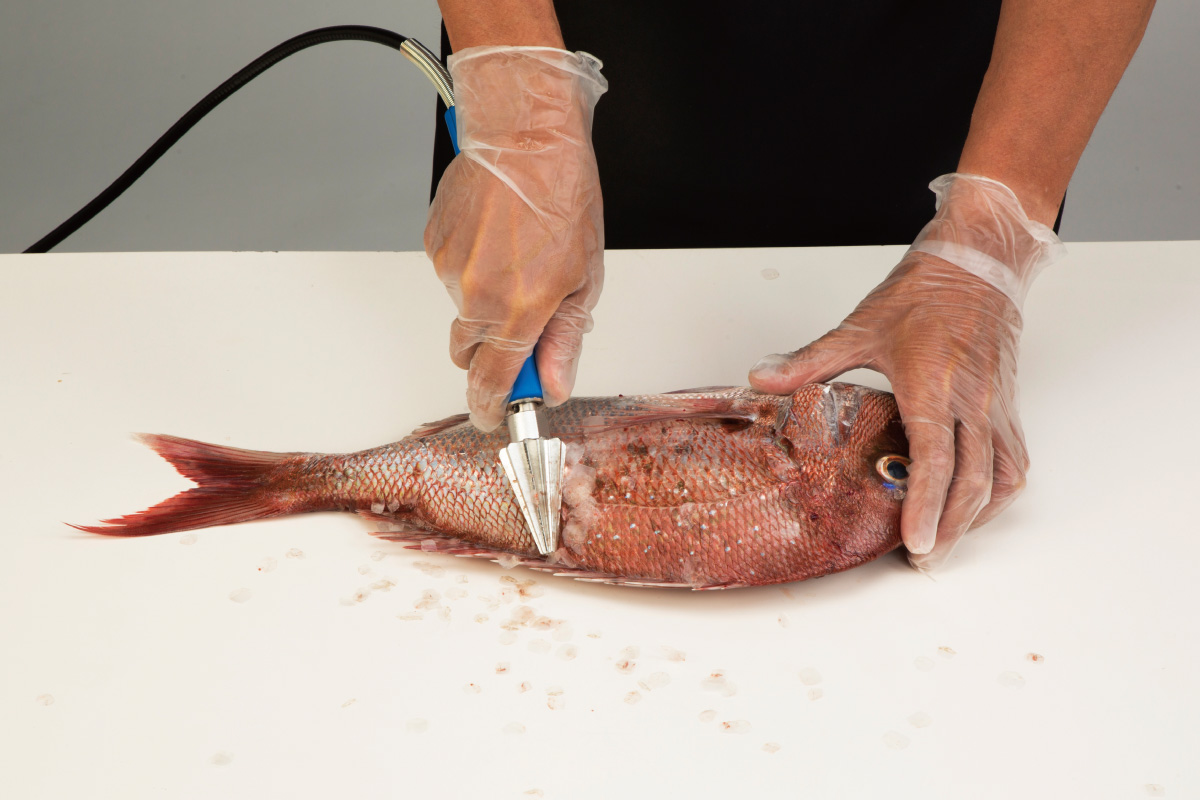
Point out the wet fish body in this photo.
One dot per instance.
(704, 489)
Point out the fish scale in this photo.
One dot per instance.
(708, 489)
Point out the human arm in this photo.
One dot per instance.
(940, 327)
(515, 231)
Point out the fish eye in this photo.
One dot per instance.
(893, 468)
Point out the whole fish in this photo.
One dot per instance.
(707, 489)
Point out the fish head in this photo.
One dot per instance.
(849, 446)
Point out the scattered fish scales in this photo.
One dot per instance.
(44, 700)
(771, 747)
(556, 703)
(268, 564)
(294, 553)
(378, 555)
(222, 758)
(809, 676)
(1010, 679)
(815, 694)
(350, 702)
(503, 667)
(567, 652)
(671, 654)
(717, 682)
(708, 715)
(429, 599)
(187, 538)
(455, 593)
(472, 688)
(481, 618)
(625, 666)
(524, 686)
(633, 698)
(1036, 658)
(514, 728)
(364, 569)
(410, 617)
(920, 720)
(895, 740)
(240, 595)
(947, 652)
(430, 569)
(735, 726)
(658, 680)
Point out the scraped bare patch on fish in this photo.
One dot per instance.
(841, 405)
(579, 506)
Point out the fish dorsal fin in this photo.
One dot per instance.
(430, 428)
(587, 416)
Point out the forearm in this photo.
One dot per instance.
(1054, 66)
(471, 23)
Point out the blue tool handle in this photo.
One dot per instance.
(452, 126)
(528, 386)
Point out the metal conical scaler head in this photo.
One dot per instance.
(534, 467)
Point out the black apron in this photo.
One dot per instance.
(775, 124)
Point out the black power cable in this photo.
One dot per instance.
(214, 98)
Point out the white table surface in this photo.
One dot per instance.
(128, 671)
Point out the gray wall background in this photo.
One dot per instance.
(330, 150)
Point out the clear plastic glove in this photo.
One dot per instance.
(944, 328)
(516, 231)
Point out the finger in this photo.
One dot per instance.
(826, 358)
(1008, 479)
(464, 339)
(490, 378)
(970, 489)
(558, 359)
(931, 448)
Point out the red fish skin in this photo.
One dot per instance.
(713, 489)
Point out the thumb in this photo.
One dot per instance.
(826, 358)
(558, 359)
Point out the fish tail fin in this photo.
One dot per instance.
(233, 485)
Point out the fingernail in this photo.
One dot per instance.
(923, 542)
(483, 423)
(771, 364)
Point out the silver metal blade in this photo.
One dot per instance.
(534, 470)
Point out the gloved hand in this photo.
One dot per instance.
(516, 231)
(944, 328)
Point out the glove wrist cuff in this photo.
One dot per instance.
(981, 227)
(520, 95)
